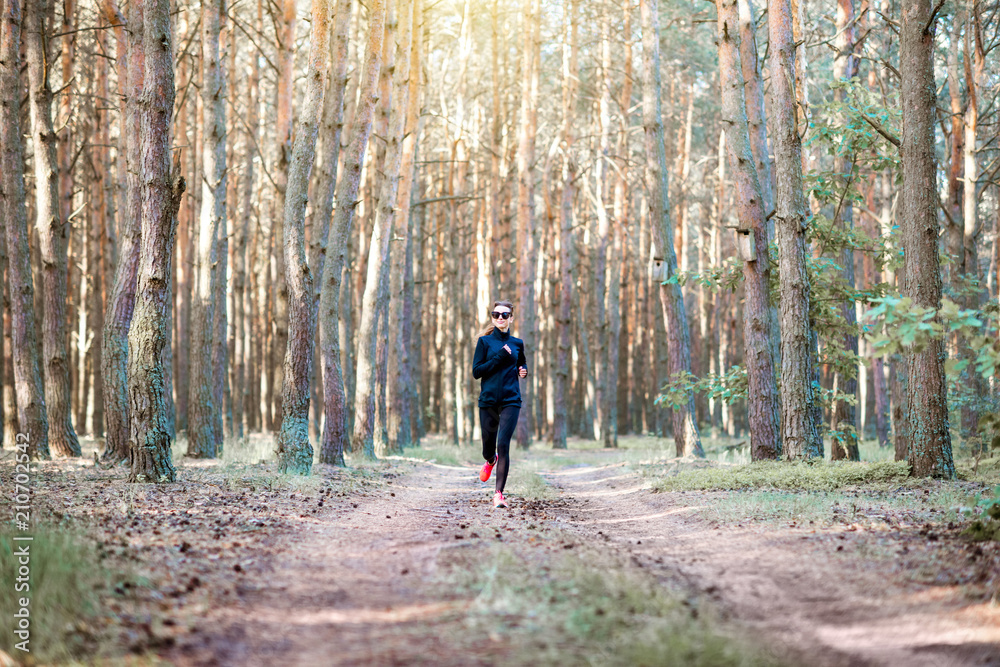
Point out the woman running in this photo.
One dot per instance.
(499, 361)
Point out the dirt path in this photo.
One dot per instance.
(809, 590)
(354, 588)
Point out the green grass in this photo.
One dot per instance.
(582, 609)
(526, 483)
(795, 476)
(868, 508)
(67, 582)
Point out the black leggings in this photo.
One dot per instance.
(498, 427)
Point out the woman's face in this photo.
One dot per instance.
(501, 317)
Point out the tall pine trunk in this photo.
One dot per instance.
(765, 437)
(566, 253)
(929, 438)
(295, 453)
(32, 414)
(399, 392)
(971, 229)
(162, 188)
(379, 257)
(686, 437)
(53, 232)
(203, 441)
(845, 68)
(330, 134)
(526, 231)
(798, 429)
(335, 409)
(121, 299)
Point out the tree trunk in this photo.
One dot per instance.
(526, 235)
(765, 438)
(102, 240)
(400, 390)
(800, 434)
(8, 402)
(283, 140)
(613, 309)
(32, 414)
(969, 262)
(927, 413)
(953, 224)
(335, 408)
(53, 234)
(566, 255)
(240, 376)
(121, 300)
(686, 437)
(604, 392)
(161, 195)
(203, 441)
(754, 93)
(845, 420)
(376, 284)
(331, 132)
(295, 452)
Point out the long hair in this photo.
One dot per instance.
(488, 327)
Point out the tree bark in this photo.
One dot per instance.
(686, 437)
(800, 433)
(379, 257)
(32, 414)
(203, 441)
(953, 226)
(613, 309)
(969, 261)
(295, 452)
(283, 140)
(527, 233)
(845, 420)
(334, 397)
(927, 410)
(8, 402)
(331, 451)
(566, 255)
(765, 438)
(53, 233)
(121, 300)
(400, 390)
(162, 189)
(604, 392)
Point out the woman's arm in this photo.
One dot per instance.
(522, 362)
(482, 364)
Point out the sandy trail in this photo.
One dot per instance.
(808, 590)
(353, 589)
(356, 589)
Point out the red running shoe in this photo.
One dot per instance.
(484, 474)
(499, 501)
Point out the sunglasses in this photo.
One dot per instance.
(501, 316)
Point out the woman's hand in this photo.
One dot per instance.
(508, 350)
(522, 371)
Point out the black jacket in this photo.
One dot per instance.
(498, 369)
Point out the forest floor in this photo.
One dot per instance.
(404, 561)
